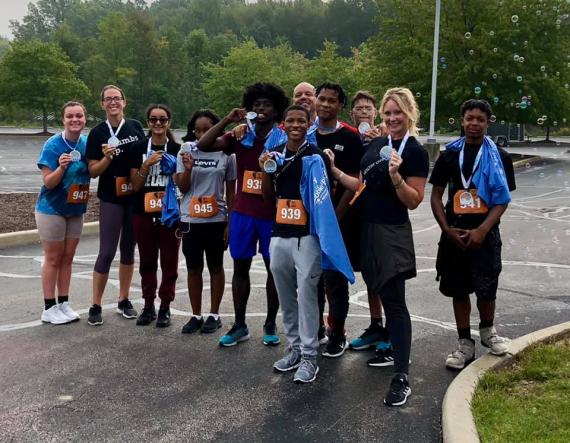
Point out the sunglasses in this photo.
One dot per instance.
(161, 120)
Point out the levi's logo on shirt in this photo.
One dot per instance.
(202, 163)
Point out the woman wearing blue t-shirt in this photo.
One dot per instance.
(393, 173)
(60, 208)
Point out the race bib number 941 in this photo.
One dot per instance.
(468, 202)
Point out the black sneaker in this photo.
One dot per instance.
(95, 317)
(193, 325)
(211, 325)
(163, 319)
(148, 315)
(336, 346)
(383, 357)
(399, 391)
(125, 308)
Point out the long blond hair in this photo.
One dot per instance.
(407, 103)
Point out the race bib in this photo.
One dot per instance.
(123, 186)
(468, 202)
(203, 207)
(153, 202)
(78, 194)
(252, 182)
(291, 212)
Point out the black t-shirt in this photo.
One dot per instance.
(347, 149)
(131, 132)
(155, 181)
(287, 181)
(446, 171)
(379, 201)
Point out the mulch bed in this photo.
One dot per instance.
(17, 213)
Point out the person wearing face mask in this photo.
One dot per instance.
(153, 236)
(252, 218)
(480, 177)
(108, 146)
(59, 210)
(393, 173)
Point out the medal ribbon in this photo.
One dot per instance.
(73, 148)
(113, 133)
(467, 182)
(402, 145)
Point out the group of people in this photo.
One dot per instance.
(318, 198)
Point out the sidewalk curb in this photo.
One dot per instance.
(525, 161)
(456, 419)
(21, 238)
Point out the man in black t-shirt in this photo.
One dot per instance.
(347, 147)
(469, 254)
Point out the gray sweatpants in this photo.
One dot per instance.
(296, 269)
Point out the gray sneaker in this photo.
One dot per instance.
(307, 371)
(291, 361)
(462, 356)
(490, 339)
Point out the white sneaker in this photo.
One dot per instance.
(54, 316)
(464, 354)
(65, 308)
(490, 339)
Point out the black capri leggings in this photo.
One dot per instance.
(200, 238)
(115, 229)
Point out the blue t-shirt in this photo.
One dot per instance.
(54, 201)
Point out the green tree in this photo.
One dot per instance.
(40, 77)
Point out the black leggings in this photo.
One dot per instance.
(336, 286)
(115, 222)
(393, 297)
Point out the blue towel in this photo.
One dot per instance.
(323, 224)
(489, 178)
(275, 138)
(170, 208)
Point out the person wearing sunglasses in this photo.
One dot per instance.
(108, 145)
(154, 238)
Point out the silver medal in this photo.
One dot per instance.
(270, 166)
(251, 115)
(75, 155)
(113, 141)
(466, 199)
(364, 127)
(386, 153)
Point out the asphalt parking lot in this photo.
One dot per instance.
(128, 383)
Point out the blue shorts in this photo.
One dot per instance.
(245, 232)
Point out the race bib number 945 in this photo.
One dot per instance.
(203, 207)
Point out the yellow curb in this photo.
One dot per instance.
(21, 238)
(524, 161)
(457, 421)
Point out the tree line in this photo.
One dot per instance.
(193, 54)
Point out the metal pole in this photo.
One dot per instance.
(431, 137)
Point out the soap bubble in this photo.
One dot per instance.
(491, 33)
(519, 78)
(523, 105)
(451, 121)
(540, 121)
(502, 122)
(477, 90)
(516, 57)
(442, 59)
(521, 59)
(515, 18)
(494, 76)
(543, 68)
(468, 35)
(495, 49)
(541, 175)
(527, 165)
(558, 21)
(496, 99)
(554, 123)
(471, 52)
(444, 66)
(493, 119)
(538, 12)
(567, 85)
(517, 105)
(418, 94)
(544, 117)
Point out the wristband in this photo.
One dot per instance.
(399, 184)
(141, 175)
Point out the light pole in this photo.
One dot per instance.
(431, 138)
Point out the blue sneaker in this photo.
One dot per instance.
(235, 335)
(270, 337)
(383, 346)
(371, 336)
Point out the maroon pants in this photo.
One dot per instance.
(153, 238)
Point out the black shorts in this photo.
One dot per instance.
(200, 238)
(461, 273)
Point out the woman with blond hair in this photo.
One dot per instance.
(393, 173)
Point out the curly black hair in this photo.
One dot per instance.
(334, 87)
(270, 91)
(190, 136)
(482, 105)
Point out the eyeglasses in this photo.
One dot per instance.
(112, 99)
(155, 120)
